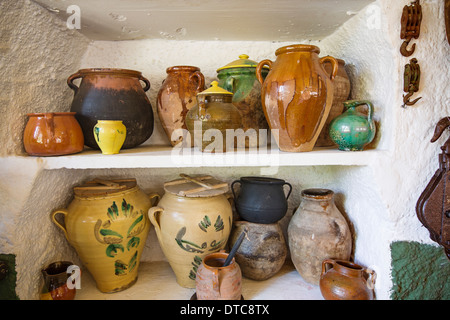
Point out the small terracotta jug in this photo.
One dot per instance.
(216, 282)
(345, 280)
(55, 282)
(52, 134)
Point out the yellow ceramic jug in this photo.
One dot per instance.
(192, 220)
(110, 135)
(107, 224)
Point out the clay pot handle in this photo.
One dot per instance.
(147, 83)
(153, 215)
(70, 81)
(200, 79)
(356, 103)
(325, 263)
(259, 67)
(290, 189)
(152, 196)
(372, 276)
(232, 189)
(334, 65)
(64, 212)
(50, 128)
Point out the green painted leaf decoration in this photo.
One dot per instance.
(113, 248)
(139, 219)
(120, 268)
(133, 261)
(106, 232)
(134, 242)
(218, 225)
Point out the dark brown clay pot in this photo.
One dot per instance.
(177, 95)
(263, 250)
(112, 94)
(345, 280)
(52, 134)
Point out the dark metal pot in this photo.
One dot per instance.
(261, 199)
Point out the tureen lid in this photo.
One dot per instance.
(214, 89)
(196, 187)
(242, 62)
(99, 187)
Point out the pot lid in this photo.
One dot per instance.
(196, 187)
(214, 89)
(99, 187)
(242, 62)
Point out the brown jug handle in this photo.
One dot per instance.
(49, 120)
(372, 276)
(259, 67)
(232, 187)
(334, 65)
(70, 81)
(147, 83)
(200, 79)
(64, 212)
(325, 263)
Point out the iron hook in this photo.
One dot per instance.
(404, 50)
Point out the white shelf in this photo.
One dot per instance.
(168, 157)
(156, 281)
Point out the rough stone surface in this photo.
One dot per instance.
(419, 272)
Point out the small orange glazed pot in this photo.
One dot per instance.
(216, 282)
(52, 134)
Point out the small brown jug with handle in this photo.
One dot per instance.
(345, 280)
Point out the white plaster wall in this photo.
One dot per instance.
(378, 200)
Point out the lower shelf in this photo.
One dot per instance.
(156, 281)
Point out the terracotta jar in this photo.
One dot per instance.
(112, 94)
(191, 221)
(107, 224)
(317, 231)
(52, 134)
(55, 286)
(217, 282)
(209, 120)
(263, 250)
(110, 135)
(341, 91)
(239, 77)
(261, 199)
(177, 95)
(345, 280)
(297, 95)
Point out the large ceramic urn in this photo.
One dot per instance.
(297, 95)
(177, 95)
(239, 77)
(107, 224)
(192, 219)
(112, 94)
(317, 231)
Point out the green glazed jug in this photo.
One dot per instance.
(353, 130)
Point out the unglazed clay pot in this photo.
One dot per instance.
(107, 224)
(239, 77)
(297, 95)
(55, 282)
(217, 282)
(317, 231)
(52, 134)
(112, 94)
(345, 280)
(191, 221)
(261, 199)
(177, 95)
(263, 250)
(341, 91)
(212, 118)
(110, 135)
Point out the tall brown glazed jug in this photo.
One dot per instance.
(297, 95)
